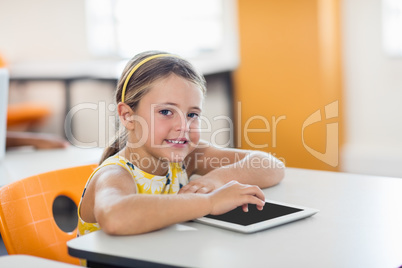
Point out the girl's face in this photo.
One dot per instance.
(167, 120)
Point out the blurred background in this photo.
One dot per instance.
(317, 83)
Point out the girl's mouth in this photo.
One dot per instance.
(177, 141)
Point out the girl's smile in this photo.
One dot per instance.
(177, 142)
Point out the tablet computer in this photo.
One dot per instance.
(274, 214)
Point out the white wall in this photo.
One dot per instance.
(373, 94)
(43, 30)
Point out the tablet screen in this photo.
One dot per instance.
(270, 211)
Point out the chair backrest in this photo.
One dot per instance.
(27, 223)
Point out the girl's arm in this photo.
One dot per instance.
(112, 201)
(217, 166)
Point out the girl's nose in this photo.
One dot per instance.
(182, 124)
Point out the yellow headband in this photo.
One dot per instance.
(138, 66)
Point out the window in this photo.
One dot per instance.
(204, 31)
(392, 27)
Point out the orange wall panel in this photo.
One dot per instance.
(289, 69)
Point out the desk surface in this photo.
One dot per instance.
(31, 261)
(25, 162)
(359, 225)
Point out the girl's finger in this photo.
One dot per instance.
(255, 191)
(260, 207)
(254, 200)
(203, 190)
(245, 207)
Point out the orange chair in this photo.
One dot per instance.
(27, 224)
(22, 116)
(3, 62)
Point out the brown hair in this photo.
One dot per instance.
(141, 82)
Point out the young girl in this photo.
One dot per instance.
(142, 183)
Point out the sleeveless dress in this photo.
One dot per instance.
(146, 184)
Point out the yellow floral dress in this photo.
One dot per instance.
(146, 184)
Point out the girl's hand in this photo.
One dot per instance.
(234, 194)
(201, 185)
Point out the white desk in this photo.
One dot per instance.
(31, 261)
(359, 225)
(22, 163)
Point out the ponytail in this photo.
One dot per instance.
(118, 144)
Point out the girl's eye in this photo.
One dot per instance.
(165, 112)
(192, 115)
